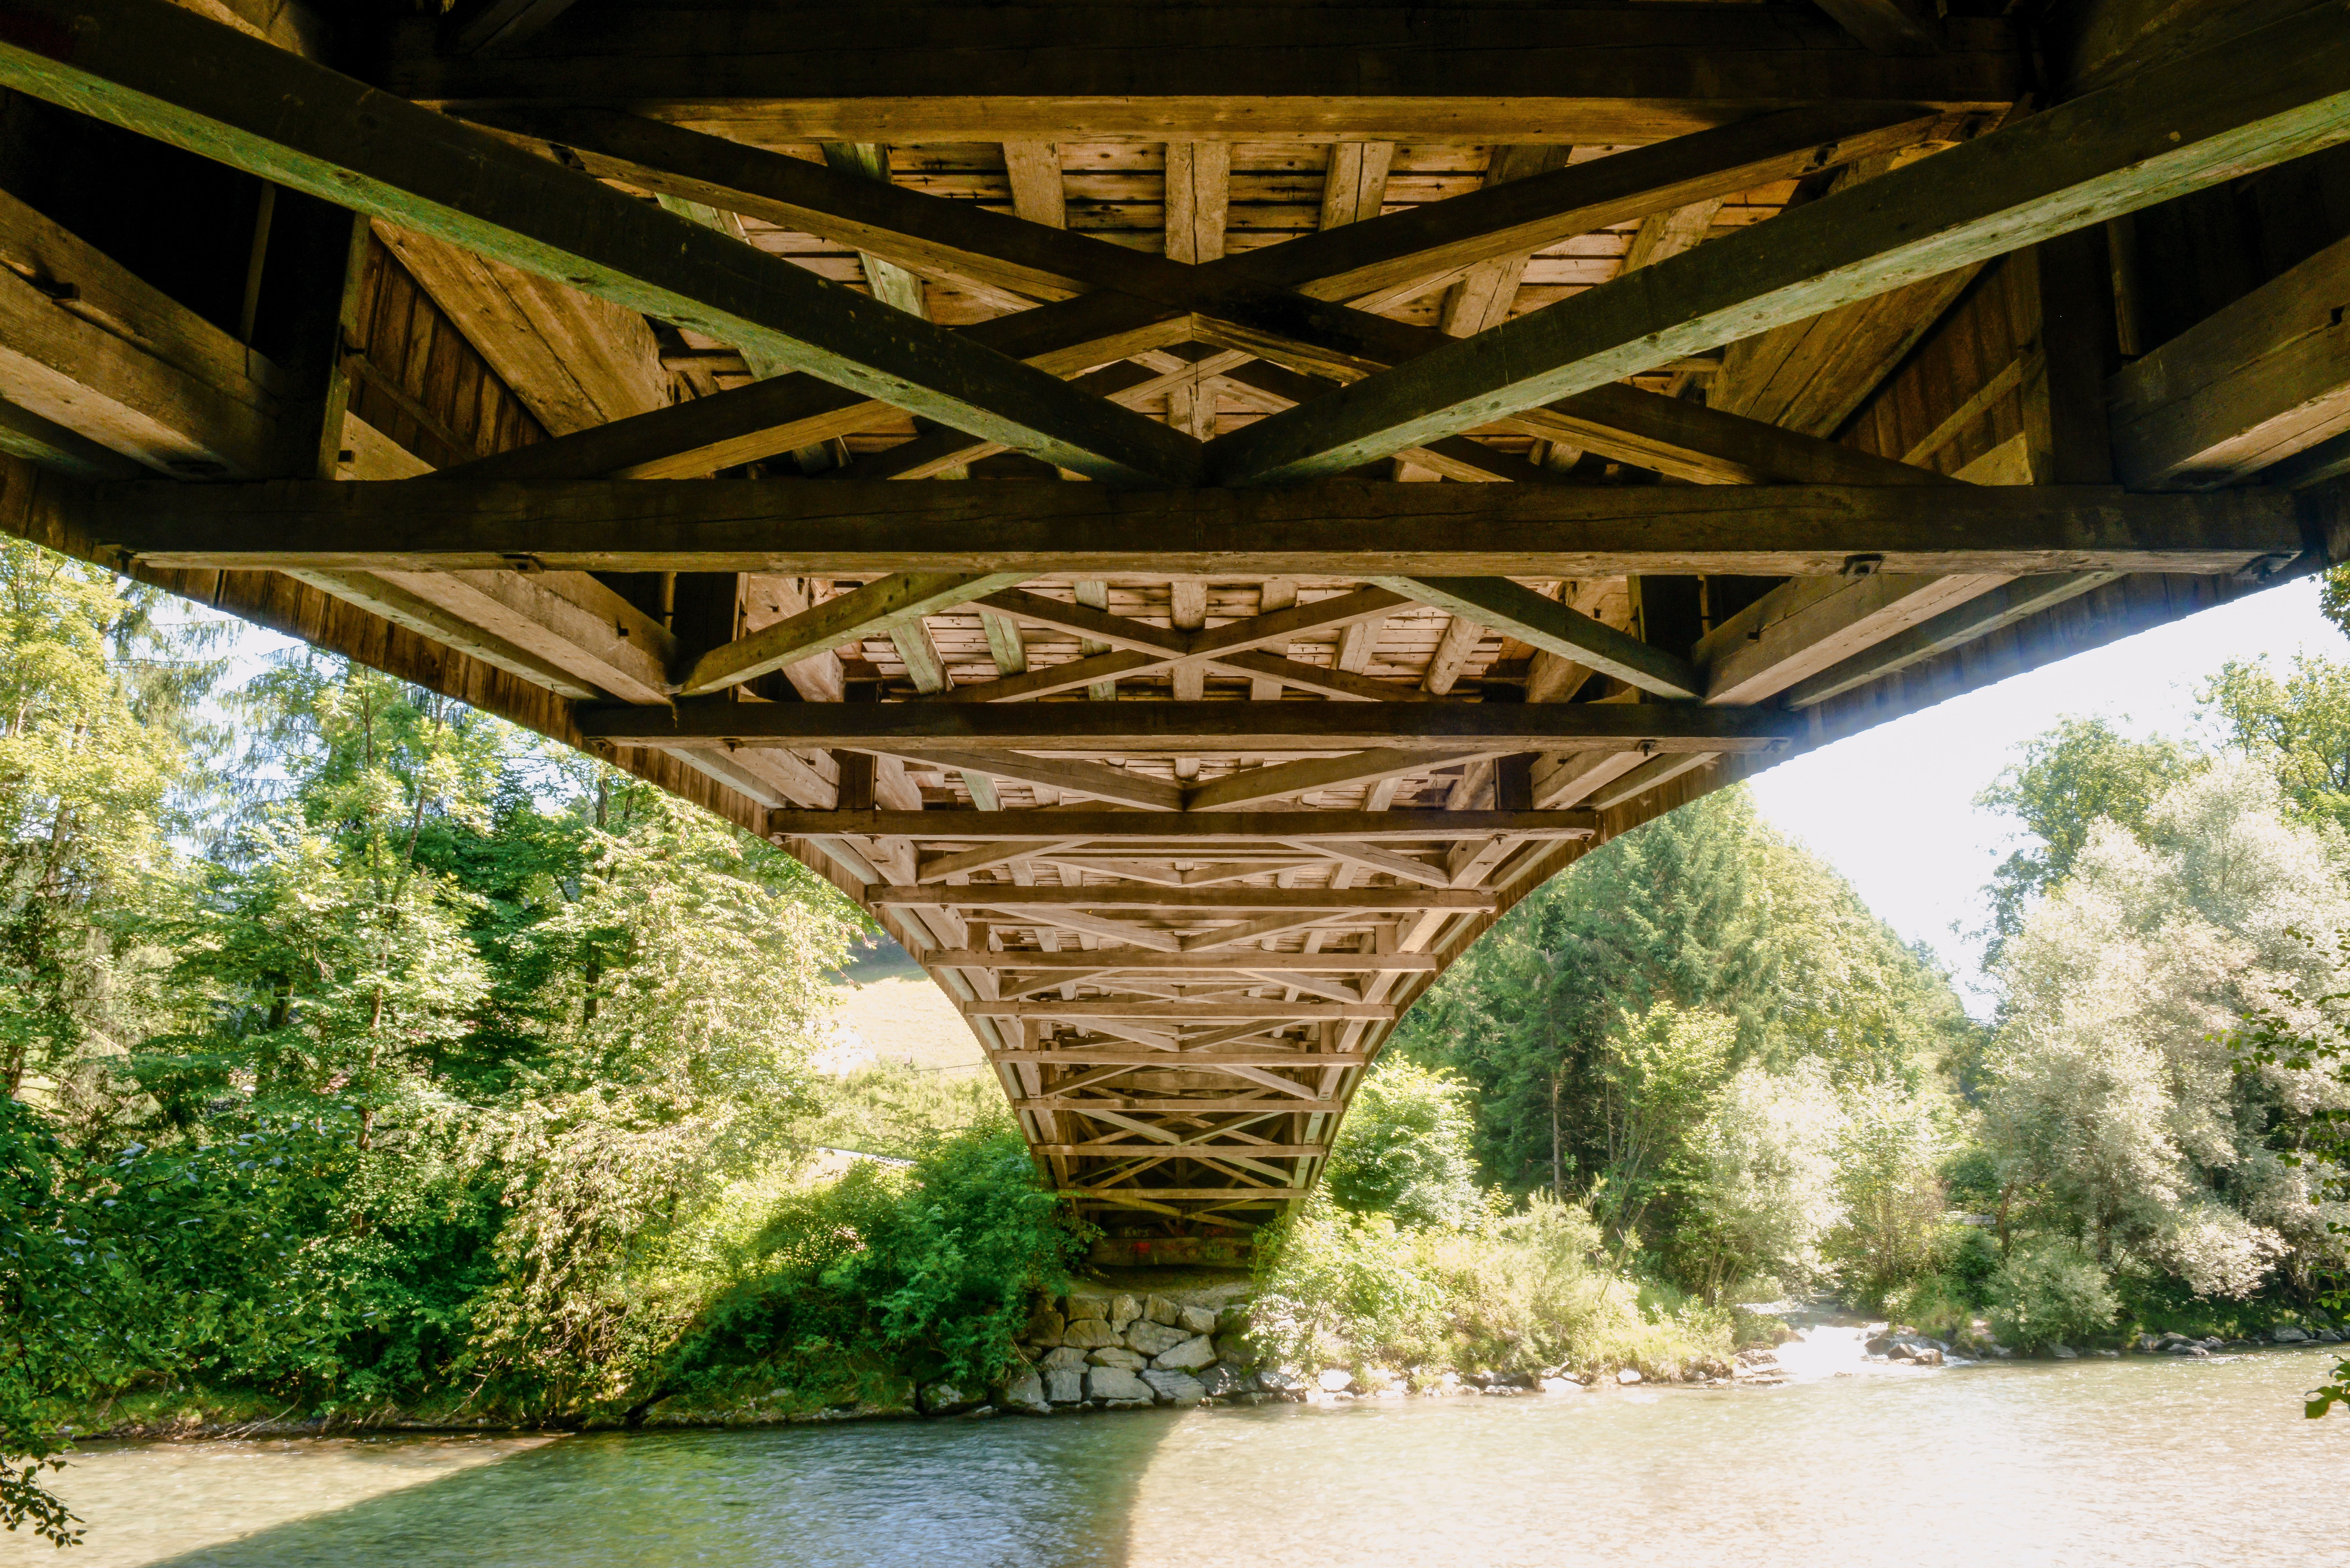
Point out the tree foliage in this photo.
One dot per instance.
(2078, 774)
(408, 1059)
(2111, 1105)
(1669, 1031)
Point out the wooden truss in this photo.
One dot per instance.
(1350, 505)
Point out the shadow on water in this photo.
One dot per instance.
(1018, 1493)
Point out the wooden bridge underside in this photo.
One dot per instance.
(1375, 453)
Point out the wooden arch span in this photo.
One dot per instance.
(1187, 512)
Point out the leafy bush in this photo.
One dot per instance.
(180, 1265)
(889, 1109)
(946, 1272)
(1525, 1291)
(1405, 1149)
(1969, 1260)
(1936, 1304)
(930, 1268)
(2051, 1294)
(1893, 1224)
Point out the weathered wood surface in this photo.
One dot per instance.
(1358, 529)
(153, 68)
(1087, 727)
(1163, 72)
(2276, 94)
(1186, 794)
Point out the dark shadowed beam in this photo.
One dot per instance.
(1210, 901)
(1189, 963)
(498, 25)
(1189, 726)
(1140, 300)
(2276, 94)
(1515, 610)
(154, 69)
(1892, 27)
(1345, 528)
(1169, 72)
(1184, 835)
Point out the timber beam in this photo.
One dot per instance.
(164, 72)
(2277, 93)
(1157, 727)
(1352, 900)
(1339, 527)
(1158, 71)
(1255, 303)
(1182, 834)
(1185, 963)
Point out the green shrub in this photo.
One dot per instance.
(1936, 1305)
(928, 1268)
(1968, 1262)
(889, 1109)
(1526, 1292)
(1404, 1150)
(2051, 1294)
(946, 1272)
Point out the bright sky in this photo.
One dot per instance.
(1893, 809)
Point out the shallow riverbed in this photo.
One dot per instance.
(2152, 1462)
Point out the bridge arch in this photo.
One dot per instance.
(1184, 538)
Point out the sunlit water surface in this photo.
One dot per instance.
(2154, 1463)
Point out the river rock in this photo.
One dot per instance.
(1116, 1355)
(1116, 1383)
(1123, 1309)
(2188, 1347)
(1064, 1387)
(1278, 1380)
(2326, 1336)
(1176, 1387)
(1927, 1356)
(945, 1399)
(1188, 1355)
(1154, 1338)
(2148, 1344)
(1088, 1333)
(2288, 1335)
(2107, 1355)
(1045, 1328)
(2063, 1353)
(1335, 1380)
(1025, 1393)
(1628, 1377)
(1063, 1359)
(1561, 1386)
(1224, 1377)
(1088, 1309)
(1160, 1309)
(1195, 1320)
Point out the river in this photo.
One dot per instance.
(2153, 1462)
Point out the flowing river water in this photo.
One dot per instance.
(2154, 1462)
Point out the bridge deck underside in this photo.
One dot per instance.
(1184, 539)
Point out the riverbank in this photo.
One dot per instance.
(2092, 1463)
(1173, 1340)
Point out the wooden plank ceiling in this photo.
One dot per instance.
(1373, 453)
